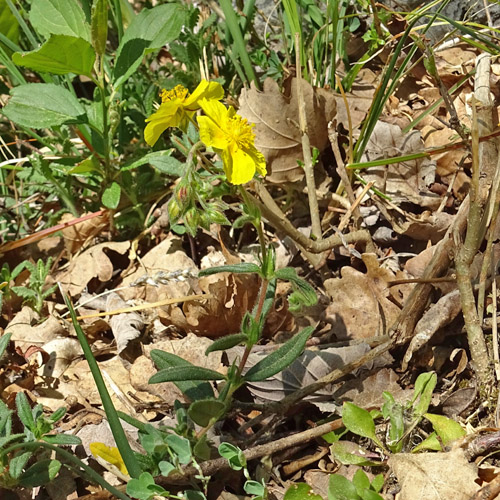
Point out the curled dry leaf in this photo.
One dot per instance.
(405, 181)
(62, 353)
(276, 118)
(92, 263)
(126, 326)
(360, 306)
(75, 236)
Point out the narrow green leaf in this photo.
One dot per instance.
(40, 473)
(62, 439)
(41, 105)
(4, 342)
(17, 464)
(226, 342)
(360, 480)
(99, 26)
(24, 411)
(242, 267)
(446, 428)
(162, 160)
(424, 387)
(60, 54)
(431, 442)
(147, 32)
(59, 17)
(300, 491)
(303, 294)
(193, 390)
(206, 410)
(111, 196)
(184, 373)
(279, 359)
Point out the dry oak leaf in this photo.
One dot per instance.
(75, 236)
(276, 119)
(407, 181)
(359, 306)
(426, 476)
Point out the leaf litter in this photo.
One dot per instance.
(360, 300)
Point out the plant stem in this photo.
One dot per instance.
(257, 224)
(306, 151)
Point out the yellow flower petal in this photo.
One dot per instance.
(211, 134)
(205, 90)
(111, 455)
(241, 167)
(158, 122)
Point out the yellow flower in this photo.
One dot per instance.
(177, 108)
(232, 137)
(111, 455)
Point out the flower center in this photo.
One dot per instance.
(178, 92)
(240, 131)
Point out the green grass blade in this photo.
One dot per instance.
(22, 23)
(114, 421)
(238, 42)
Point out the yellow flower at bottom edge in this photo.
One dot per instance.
(232, 137)
(177, 107)
(110, 454)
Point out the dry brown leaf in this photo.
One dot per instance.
(126, 326)
(75, 236)
(62, 351)
(406, 181)
(426, 476)
(359, 306)
(276, 118)
(93, 263)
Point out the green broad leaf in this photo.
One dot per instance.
(303, 294)
(300, 491)
(193, 390)
(340, 488)
(59, 17)
(279, 359)
(204, 411)
(181, 447)
(378, 482)
(184, 373)
(60, 54)
(360, 481)
(62, 439)
(348, 453)
(144, 487)
(360, 422)
(9, 25)
(24, 411)
(18, 463)
(148, 32)
(99, 26)
(424, 387)
(431, 443)
(43, 105)
(242, 267)
(40, 473)
(234, 455)
(111, 196)
(252, 487)
(4, 342)
(202, 449)
(226, 342)
(447, 429)
(165, 468)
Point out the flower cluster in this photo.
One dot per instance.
(229, 134)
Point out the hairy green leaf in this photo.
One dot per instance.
(279, 359)
(184, 373)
